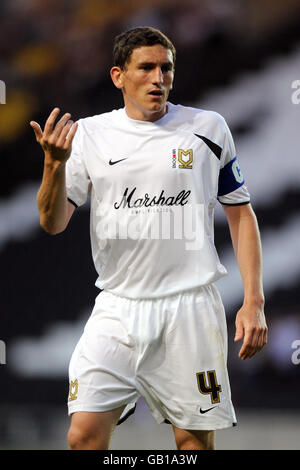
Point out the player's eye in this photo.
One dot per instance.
(146, 67)
(166, 68)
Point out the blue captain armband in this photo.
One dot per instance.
(230, 178)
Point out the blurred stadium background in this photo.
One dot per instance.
(237, 57)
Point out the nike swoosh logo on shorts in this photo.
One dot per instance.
(116, 161)
(205, 411)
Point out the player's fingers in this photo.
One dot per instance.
(70, 136)
(260, 340)
(255, 340)
(59, 127)
(64, 132)
(255, 346)
(50, 122)
(247, 347)
(37, 130)
(239, 332)
(265, 335)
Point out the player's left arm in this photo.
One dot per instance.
(250, 320)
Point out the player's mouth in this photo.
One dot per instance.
(156, 93)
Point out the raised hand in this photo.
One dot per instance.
(56, 139)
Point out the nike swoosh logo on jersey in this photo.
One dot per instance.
(205, 411)
(116, 161)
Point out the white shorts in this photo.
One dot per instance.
(171, 351)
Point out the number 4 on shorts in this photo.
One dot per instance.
(209, 385)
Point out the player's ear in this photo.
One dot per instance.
(116, 74)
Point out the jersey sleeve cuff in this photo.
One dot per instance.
(72, 202)
(235, 203)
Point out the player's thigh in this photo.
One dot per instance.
(93, 429)
(194, 439)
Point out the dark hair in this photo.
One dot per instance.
(126, 42)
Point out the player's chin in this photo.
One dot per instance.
(157, 105)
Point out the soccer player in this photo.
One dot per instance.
(154, 172)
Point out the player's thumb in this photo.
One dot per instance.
(239, 332)
(37, 130)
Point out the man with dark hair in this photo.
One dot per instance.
(154, 172)
(126, 42)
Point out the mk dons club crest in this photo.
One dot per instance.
(184, 158)
(73, 390)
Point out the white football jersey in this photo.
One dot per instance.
(153, 188)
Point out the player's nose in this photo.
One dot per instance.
(158, 76)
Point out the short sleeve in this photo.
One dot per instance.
(77, 178)
(232, 189)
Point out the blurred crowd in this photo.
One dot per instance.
(57, 52)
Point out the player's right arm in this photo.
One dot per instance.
(56, 141)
